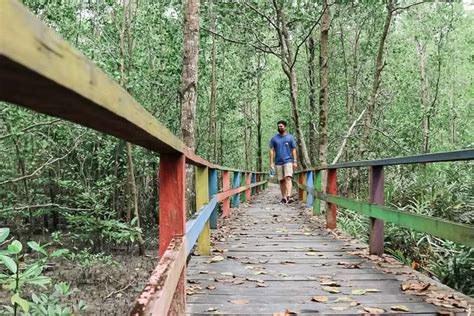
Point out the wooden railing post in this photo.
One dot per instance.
(254, 179)
(236, 184)
(302, 181)
(212, 192)
(376, 191)
(173, 216)
(309, 185)
(317, 188)
(258, 176)
(243, 182)
(202, 198)
(172, 199)
(331, 213)
(248, 180)
(225, 187)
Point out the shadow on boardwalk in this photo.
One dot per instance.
(273, 259)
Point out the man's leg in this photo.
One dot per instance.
(289, 186)
(283, 188)
(281, 178)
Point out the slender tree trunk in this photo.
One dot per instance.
(213, 137)
(288, 65)
(379, 65)
(189, 79)
(125, 54)
(324, 94)
(424, 97)
(313, 152)
(259, 120)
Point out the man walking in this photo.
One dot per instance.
(283, 160)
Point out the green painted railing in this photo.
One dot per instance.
(310, 190)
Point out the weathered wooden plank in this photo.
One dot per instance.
(225, 200)
(331, 212)
(196, 224)
(212, 192)
(202, 198)
(236, 184)
(157, 296)
(376, 196)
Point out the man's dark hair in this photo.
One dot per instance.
(281, 122)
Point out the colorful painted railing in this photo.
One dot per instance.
(40, 71)
(310, 191)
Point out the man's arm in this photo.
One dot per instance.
(295, 164)
(272, 156)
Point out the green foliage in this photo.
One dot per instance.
(21, 275)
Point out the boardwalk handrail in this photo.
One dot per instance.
(310, 190)
(42, 72)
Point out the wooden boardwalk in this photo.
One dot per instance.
(273, 259)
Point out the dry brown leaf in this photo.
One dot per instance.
(344, 299)
(320, 299)
(259, 272)
(238, 281)
(217, 258)
(354, 303)
(240, 302)
(331, 289)
(329, 283)
(374, 310)
(204, 272)
(211, 287)
(287, 312)
(399, 308)
(262, 284)
(212, 309)
(254, 280)
(311, 254)
(339, 308)
(372, 290)
(227, 274)
(358, 292)
(190, 281)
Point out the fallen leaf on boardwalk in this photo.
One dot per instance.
(358, 292)
(217, 259)
(307, 234)
(282, 274)
(211, 287)
(320, 299)
(372, 290)
(354, 303)
(331, 289)
(238, 281)
(288, 262)
(212, 309)
(259, 272)
(203, 272)
(343, 263)
(461, 304)
(254, 280)
(344, 299)
(227, 273)
(263, 261)
(260, 284)
(339, 308)
(190, 281)
(285, 313)
(419, 287)
(399, 308)
(239, 302)
(374, 310)
(329, 283)
(233, 257)
(311, 254)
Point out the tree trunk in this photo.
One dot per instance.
(288, 65)
(379, 65)
(324, 95)
(213, 137)
(189, 78)
(424, 97)
(259, 120)
(313, 152)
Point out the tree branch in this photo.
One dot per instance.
(19, 208)
(2, 137)
(261, 14)
(348, 134)
(408, 6)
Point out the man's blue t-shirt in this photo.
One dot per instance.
(283, 146)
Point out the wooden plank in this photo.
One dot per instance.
(41, 71)
(202, 198)
(460, 233)
(318, 188)
(157, 296)
(172, 199)
(196, 224)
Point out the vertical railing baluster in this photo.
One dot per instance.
(254, 179)
(202, 198)
(257, 179)
(331, 212)
(376, 191)
(317, 188)
(303, 182)
(212, 192)
(248, 180)
(225, 187)
(310, 185)
(243, 182)
(236, 184)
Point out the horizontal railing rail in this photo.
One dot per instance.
(310, 190)
(42, 72)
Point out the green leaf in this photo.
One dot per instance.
(9, 263)
(15, 247)
(36, 247)
(32, 271)
(59, 252)
(16, 299)
(134, 221)
(4, 232)
(40, 281)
